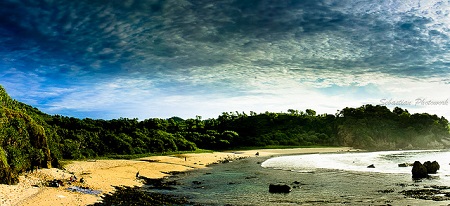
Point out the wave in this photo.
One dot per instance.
(384, 162)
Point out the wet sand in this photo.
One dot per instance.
(104, 174)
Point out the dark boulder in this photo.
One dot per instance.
(418, 170)
(195, 182)
(435, 165)
(432, 167)
(279, 188)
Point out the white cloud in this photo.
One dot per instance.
(275, 92)
(193, 58)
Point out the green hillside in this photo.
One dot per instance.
(30, 138)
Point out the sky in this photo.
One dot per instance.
(106, 59)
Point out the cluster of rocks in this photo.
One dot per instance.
(428, 194)
(158, 183)
(138, 196)
(229, 159)
(420, 170)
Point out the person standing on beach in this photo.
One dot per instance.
(137, 175)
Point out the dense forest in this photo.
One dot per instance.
(30, 138)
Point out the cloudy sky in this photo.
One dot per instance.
(148, 58)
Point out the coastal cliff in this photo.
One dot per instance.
(23, 143)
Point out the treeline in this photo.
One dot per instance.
(367, 127)
(378, 128)
(30, 138)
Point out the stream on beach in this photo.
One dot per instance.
(316, 179)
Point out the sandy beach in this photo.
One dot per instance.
(104, 174)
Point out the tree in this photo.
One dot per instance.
(310, 112)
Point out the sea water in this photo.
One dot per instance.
(316, 179)
(384, 162)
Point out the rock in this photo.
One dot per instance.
(279, 188)
(386, 191)
(403, 165)
(427, 194)
(158, 183)
(422, 171)
(432, 167)
(136, 196)
(196, 182)
(371, 166)
(418, 170)
(440, 187)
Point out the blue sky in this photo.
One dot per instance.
(148, 58)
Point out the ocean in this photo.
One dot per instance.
(317, 179)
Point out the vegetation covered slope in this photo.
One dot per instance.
(23, 139)
(30, 138)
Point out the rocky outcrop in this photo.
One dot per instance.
(38, 140)
(432, 167)
(404, 164)
(7, 176)
(434, 194)
(420, 170)
(279, 188)
(25, 145)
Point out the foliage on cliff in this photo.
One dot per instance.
(378, 128)
(23, 140)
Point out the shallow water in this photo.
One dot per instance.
(385, 162)
(331, 179)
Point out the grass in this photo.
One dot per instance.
(180, 153)
(282, 147)
(136, 156)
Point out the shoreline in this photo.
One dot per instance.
(245, 182)
(103, 175)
